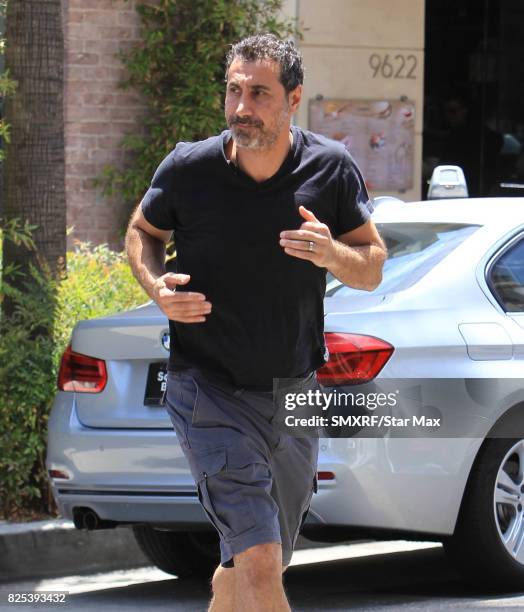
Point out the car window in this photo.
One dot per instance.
(413, 250)
(506, 278)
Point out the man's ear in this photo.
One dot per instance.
(294, 98)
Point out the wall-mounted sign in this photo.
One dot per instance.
(379, 134)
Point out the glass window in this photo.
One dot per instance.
(507, 278)
(473, 92)
(413, 250)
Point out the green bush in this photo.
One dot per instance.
(98, 282)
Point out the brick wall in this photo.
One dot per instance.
(97, 113)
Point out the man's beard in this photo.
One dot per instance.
(259, 136)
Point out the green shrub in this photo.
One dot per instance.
(98, 282)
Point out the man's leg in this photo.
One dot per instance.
(223, 586)
(223, 589)
(258, 580)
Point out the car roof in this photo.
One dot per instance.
(502, 211)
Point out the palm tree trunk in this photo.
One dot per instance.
(34, 172)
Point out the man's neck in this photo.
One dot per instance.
(260, 165)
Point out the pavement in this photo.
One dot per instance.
(43, 549)
(55, 548)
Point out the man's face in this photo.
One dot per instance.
(257, 108)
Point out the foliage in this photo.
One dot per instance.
(179, 70)
(13, 230)
(98, 282)
(7, 87)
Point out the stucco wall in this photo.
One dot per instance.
(339, 38)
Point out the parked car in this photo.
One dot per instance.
(450, 306)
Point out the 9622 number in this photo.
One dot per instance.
(397, 67)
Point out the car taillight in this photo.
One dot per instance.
(81, 373)
(353, 359)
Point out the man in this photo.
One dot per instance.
(260, 212)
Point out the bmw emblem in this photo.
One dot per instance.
(164, 339)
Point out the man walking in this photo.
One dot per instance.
(260, 212)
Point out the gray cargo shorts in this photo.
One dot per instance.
(254, 482)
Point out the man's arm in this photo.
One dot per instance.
(146, 251)
(355, 257)
(358, 257)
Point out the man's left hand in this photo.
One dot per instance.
(313, 241)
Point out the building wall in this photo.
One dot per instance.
(339, 38)
(97, 113)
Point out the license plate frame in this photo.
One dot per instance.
(156, 384)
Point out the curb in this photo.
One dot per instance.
(43, 549)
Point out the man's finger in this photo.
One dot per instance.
(191, 308)
(307, 214)
(196, 319)
(300, 254)
(315, 226)
(302, 234)
(185, 296)
(172, 280)
(300, 245)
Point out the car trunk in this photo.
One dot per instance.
(128, 343)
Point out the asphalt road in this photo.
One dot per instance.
(376, 576)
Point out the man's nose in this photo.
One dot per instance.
(243, 106)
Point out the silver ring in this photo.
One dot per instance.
(311, 245)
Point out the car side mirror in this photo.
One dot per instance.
(447, 182)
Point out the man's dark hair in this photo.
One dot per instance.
(270, 47)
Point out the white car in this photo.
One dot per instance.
(450, 308)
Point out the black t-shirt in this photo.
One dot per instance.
(267, 317)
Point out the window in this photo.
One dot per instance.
(413, 250)
(506, 278)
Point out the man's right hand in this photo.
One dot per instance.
(181, 306)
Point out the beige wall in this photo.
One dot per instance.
(339, 38)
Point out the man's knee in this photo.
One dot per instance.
(222, 579)
(260, 562)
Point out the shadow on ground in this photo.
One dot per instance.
(418, 580)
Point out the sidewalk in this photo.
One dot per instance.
(42, 549)
(54, 548)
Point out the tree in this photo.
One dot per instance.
(34, 165)
(33, 197)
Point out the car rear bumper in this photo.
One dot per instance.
(123, 475)
(141, 475)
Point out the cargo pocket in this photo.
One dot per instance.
(221, 494)
(211, 463)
